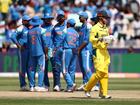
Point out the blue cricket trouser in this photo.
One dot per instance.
(69, 67)
(36, 63)
(57, 66)
(46, 78)
(85, 62)
(23, 60)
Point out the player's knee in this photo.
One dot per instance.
(99, 75)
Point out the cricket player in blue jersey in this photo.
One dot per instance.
(17, 38)
(69, 55)
(47, 18)
(84, 50)
(58, 34)
(38, 50)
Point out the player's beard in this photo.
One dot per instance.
(27, 25)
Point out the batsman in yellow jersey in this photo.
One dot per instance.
(101, 56)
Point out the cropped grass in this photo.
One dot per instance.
(9, 84)
(12, 84)
(66, 102)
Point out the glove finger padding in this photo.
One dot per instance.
(108, 39)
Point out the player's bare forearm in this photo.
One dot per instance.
(81, 47)
(46, 53)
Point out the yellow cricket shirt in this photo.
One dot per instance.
(4, 5)
(98, 31)
(101, 58)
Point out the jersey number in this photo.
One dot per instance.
(33, 40)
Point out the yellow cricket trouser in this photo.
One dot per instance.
(102, 77)
(101, 63)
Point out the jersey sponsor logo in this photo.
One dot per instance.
(48, 34)
(57, 28)
(33, 32)
(71, 33)
(59, 32)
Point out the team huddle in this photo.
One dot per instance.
(40, 42)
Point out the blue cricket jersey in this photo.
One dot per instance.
(20, 36)
(71, 38)
(37, 41)
(49, 35)
(84, 37)
(59, 32)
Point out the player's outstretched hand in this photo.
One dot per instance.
(46, 57)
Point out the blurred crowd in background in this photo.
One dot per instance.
(124, 21)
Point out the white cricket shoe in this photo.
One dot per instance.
(95, 88)
(74, 87)
(81, 88)
(87, 94)
(105, 97)
(32, 89)
(47, 88)
(40, 89)
(57, 88)
(71, 89)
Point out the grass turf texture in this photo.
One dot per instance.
(11, 84)
(7, 84)
(66, 102)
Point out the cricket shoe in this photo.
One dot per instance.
(71, 89)
(57, 88)
(81, 88)
(74, 87)
(32, 89)
(105, 97)
(23, 88)
(95, 88)
(87, 94)
(68, 90)
(47, 88)
(40, 89)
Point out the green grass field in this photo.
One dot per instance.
(11, 84)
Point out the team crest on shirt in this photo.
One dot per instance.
(48, 34)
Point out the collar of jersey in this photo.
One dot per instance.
(100, 25)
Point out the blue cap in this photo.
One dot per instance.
(15, 16)
(36, 21)
(94, 19)
(84, 15)
(71, 21)
(47, 16)
(21, 8)
(60, 12)
(103, 14)
(26, 17)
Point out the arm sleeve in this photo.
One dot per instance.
(77, 40)
(43, 37)
(86, 38)
(23, 40)
(14, 37)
